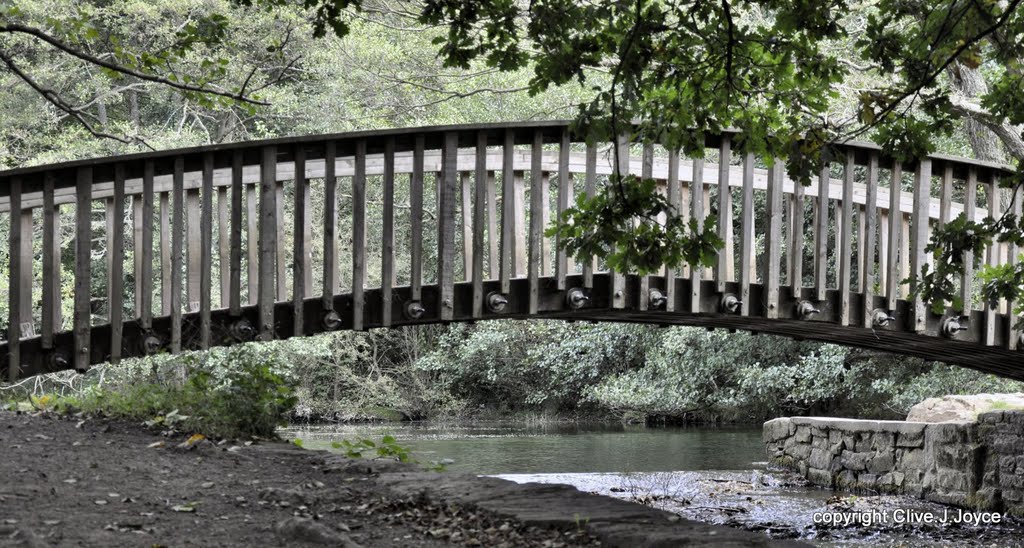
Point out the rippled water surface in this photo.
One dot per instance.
(717, 475)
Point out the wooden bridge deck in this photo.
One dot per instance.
(188, 249)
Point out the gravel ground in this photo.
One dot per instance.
(71, 481)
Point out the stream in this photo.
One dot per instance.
(716, 475)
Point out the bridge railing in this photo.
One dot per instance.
(188, 249)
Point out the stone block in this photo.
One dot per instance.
(913, 489)
(819, 432)
(911, 438)
(883, 441)
(835, 437)
(947, 480)
(819, 443)
(820, 459)
(846, 479)
(869, 481)
(954, 455)
(1007, 444)
(803, 434)
(800, 451)
(1015, 416)
(864, 442)
(988, 499)
(822, 478)
(911, 459)
(954, 498)
(1008, 464)
(776, 429)
(857, 462)
(991, 417)
(949, 432)
(1012, 482)
(881, 463)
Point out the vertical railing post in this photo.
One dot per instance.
(177, 232)
(330, 227)
(206, 254)
(845, 250)
(387, 260)
(446, 226)
(895, 215)
(508, 213)
(922, 199)
(116, 271)
(146, 274)
(723, 267)
(747, 248)
(480, 189)
(300, 261)
(773, 239)
(51, 263)
(562, 199)
(267, 242)
(83, 269)
(867, 277)
(821, 232)
(589, 190)
(697, 196)
(235, 289)
(416, 220)
(13, 298)
(359, 237)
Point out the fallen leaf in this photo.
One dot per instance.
(100, 502)
(156, 445)
(207, 485)
(187, 507)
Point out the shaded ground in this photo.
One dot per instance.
(96, 482)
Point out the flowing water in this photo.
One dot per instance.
(717, 475)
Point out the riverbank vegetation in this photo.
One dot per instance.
(543, 369)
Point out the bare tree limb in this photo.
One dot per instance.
(98, 61)
(57, 101)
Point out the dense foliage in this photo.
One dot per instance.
(513, 368)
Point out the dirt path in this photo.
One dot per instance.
(97, 482)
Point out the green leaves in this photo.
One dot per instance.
(387, 448)
(634, 228)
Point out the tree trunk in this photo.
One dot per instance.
(969, 83)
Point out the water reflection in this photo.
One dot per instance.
(509, 448)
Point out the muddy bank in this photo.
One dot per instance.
(108, 483)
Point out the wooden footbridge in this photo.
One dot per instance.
(188, 249)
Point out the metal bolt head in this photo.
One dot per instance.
(332, 321)
(414, 310)
(881, 318)
(151, 345)
(730, 304)
(656, 298)
(806, 309)
(576, 298)
(952, 325)
(496, 302)
(242, 330)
